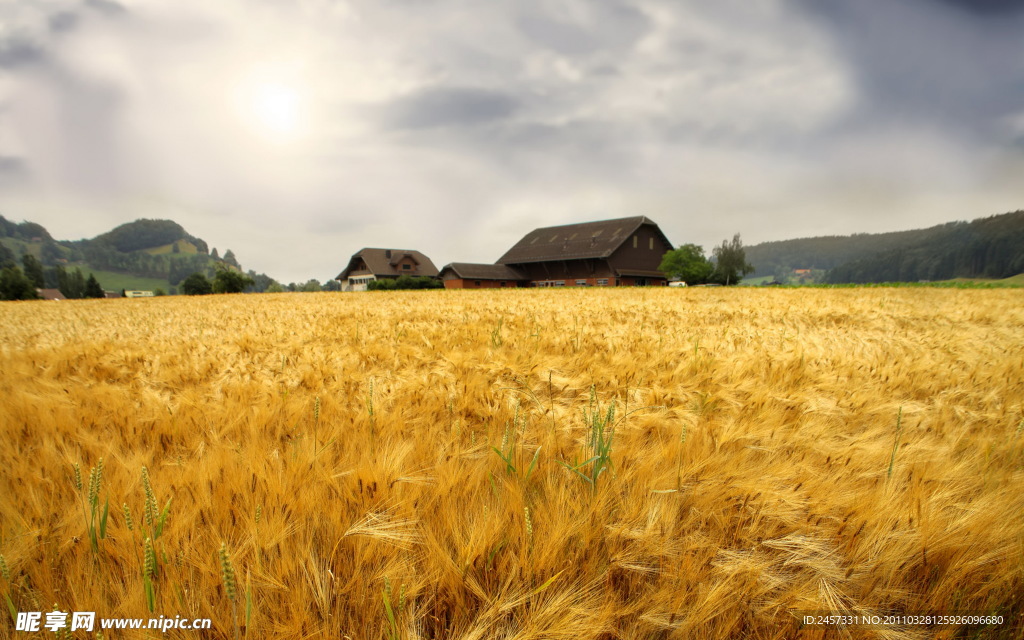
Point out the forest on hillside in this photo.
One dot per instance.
(991, 247)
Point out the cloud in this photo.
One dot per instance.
(949, 62)
(296, 133)
(16, 52)
(449, 106)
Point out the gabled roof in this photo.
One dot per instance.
(50, 294)
(473, 271)
(576, 241)
(382, 262)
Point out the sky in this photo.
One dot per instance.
(296, 132)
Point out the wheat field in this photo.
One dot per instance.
(580, 463)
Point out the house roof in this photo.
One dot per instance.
(382, 262)
(473, 271)
(50, 294)
(579, 241)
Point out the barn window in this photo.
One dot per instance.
(602, 282)
(406, 267)
(581, 283)
(476, 282)
(635, 241)
(503, 283)
(650, 244)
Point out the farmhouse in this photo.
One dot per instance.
(368, 264)
(619, 252)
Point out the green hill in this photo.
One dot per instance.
(144, 254)
(991, 248)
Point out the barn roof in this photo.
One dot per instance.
(579, 241)
(382, 262)
(474, 271)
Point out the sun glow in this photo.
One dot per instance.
(277, 108)
(272, 108)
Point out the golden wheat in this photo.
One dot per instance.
(339, 444)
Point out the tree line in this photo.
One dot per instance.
(727, 266)
(21, 283)
(984, 248)
(988, 247)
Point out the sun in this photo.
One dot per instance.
(276, 107)
(272, 107)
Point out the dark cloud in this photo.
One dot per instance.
(987, 7)
(63, 21)
(18, 52)
(108, 7)
(449, 106)
(12, 164)
(931, 61)
(606, 26)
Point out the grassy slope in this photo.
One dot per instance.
(1017, 280)
(341, 447)
(19, 247)
(184, 246)
(112, 281)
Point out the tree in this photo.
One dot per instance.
(229, 257)
(50, 253)
(332, 285)
(688, 263)
(15, 286)
(7, 258)
(93, 288)
(731, 262)
(33, 270)
(196, 284)
(72, 285)
(213, 254)
(230, 281)
(312, 285)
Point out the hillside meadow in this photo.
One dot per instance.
(579, 463)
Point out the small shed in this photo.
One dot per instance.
(468, 275)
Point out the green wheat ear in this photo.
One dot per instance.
(128, 517)
(227, 572)
(4, 571)
(78, 477)
(149, 510)
(95, 480)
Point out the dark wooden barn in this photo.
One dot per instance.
(619, 252)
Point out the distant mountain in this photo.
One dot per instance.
(990, 247)
(144, 254)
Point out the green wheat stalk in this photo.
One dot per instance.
(896, 444)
